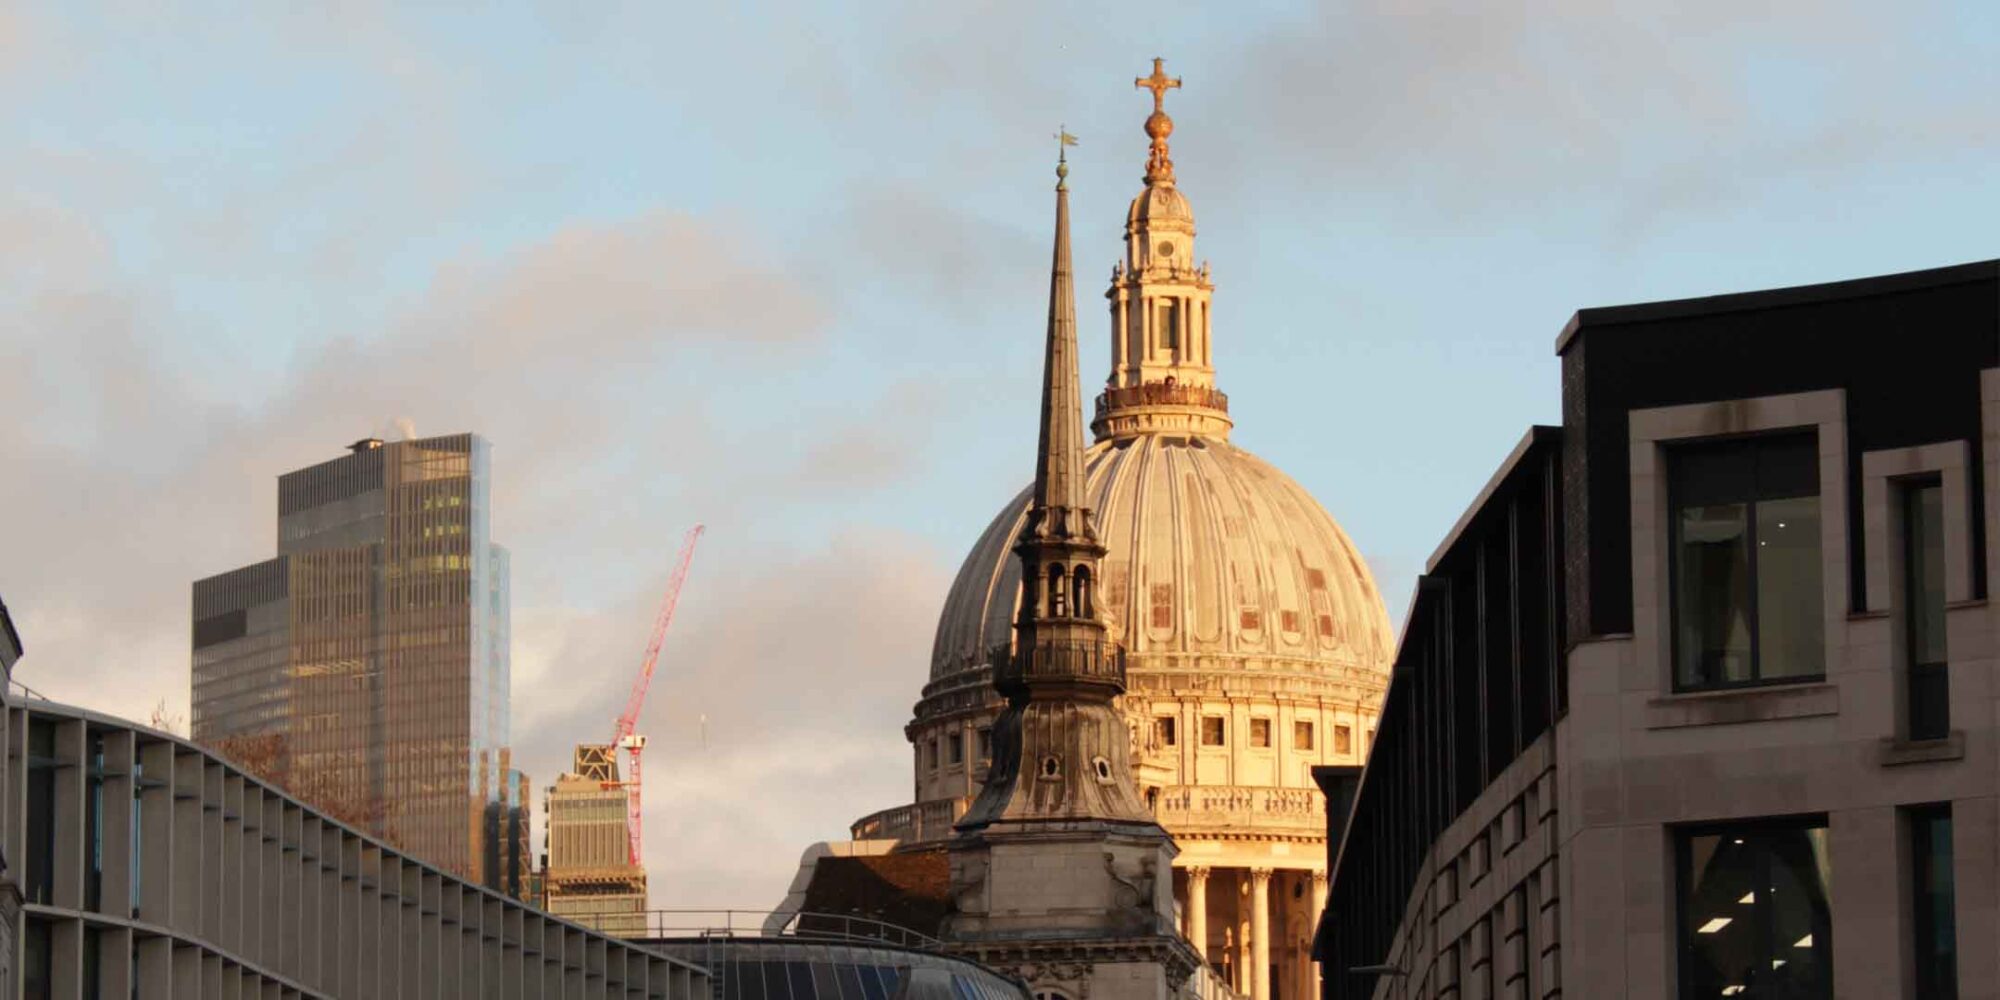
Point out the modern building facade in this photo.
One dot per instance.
(1255, 643)
(365, 668)
(154, 868)
(588, 874)
(1697, 698)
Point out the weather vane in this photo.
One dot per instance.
(1064, 140)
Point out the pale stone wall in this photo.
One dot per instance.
(1580, 893)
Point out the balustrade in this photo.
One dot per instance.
(1161, 394)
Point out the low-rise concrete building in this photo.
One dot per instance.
(1697, 699)
(150, 867)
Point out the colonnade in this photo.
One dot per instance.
(1233, 917)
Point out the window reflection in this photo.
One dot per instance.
(1745, 562)
(1929, 694)
(1755, 920)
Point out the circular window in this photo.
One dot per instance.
(1165, 249)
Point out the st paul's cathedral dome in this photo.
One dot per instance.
(1255, 641)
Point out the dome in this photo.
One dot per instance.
(1213, 555)
(1160, 203)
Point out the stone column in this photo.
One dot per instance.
(1312, 926)
(1242, 956)
(1260, 934)
(1197, 910)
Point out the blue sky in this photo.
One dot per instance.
(782, 268)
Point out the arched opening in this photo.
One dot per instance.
(1081, 588)
(1057, 605)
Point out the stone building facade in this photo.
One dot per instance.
(1697, 699)
(1254, 640)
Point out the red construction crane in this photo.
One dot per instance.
(625, 738)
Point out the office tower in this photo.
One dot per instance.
(591, 877)
(365, 668)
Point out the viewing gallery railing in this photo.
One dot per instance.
(1161, 394)
(1084, 661)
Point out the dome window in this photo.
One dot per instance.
(1103, 769)
(1080, 589)
(1057, 605)
(1260, 733)
(1163, 731)
(1163, 605)
(1051, 769)
(1302, 735)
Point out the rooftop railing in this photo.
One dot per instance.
(1162, 394)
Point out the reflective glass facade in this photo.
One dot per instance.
(366, 667)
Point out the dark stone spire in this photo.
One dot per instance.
(1060, 749)
(1058, 508)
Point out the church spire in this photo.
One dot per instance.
(1060, 749)
(1058, 509)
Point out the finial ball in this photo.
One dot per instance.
(1158, 125)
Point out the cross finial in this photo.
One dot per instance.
(1159, 83)
(1159, 163)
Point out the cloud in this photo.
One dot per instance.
(1500, 107)
(145, 480)
(600, 358)
(803, 664)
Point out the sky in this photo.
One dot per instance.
(782, 269)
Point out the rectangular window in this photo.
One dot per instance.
(1929, 692)
(1343, 739)
(1260, 732)
(1745, 560)
(1211, 730)
(934, 753)
(1163, 731)
(1754, 914)
(1169, 328)
(1163, 605)
(1302, 735)
(1934, 924)
(956, 741)
(985, 743)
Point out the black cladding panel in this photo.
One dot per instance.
(1907, 349)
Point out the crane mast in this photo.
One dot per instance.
(625, 738)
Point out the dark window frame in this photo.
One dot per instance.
(1680, 837)
(1922, 931)
(1679, 451)
(1926, 684)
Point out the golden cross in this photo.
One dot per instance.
(1159, 83)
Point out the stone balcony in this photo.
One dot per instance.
(1185, 810)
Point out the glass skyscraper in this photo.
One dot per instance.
(366, 667)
